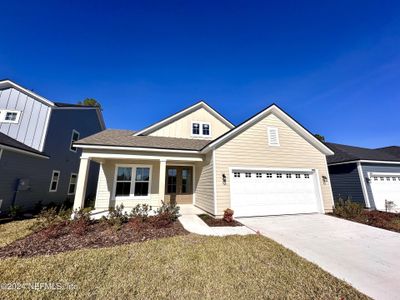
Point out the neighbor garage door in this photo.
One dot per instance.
(260, 193)
(385, 189)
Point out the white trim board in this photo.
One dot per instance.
(182, 113)
(366, 161)
(129, 148)
(22, 151)
(363, 185)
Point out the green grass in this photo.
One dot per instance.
(184, 267)
(12, 231)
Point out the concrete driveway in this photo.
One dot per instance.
(366, 257)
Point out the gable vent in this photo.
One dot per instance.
(273, 136)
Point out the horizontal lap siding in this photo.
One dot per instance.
(250, 149)
(345, 182)
(204, 184)
(105, 185)
(182, 128)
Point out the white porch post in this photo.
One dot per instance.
(80, 192)
(161, 185)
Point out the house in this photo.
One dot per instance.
(38, 161)
(370, 177)
(267, 165)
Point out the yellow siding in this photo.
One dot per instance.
(104, 197)
(250, 149)
(204, 187)
(182, 128)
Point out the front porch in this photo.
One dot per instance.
(140, 178)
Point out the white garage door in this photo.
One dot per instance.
(260, 193)
(385, 189)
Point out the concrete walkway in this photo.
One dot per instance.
(192, 223)
(366, 257)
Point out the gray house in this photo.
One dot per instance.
(37, 159)
(370, 177)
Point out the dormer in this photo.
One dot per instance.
(198, 121)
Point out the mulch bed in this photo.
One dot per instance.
(213, 222)
(96, 235)
(376, 218)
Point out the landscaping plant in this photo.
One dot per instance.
(347, 209)
(228, 215)
(117, 217)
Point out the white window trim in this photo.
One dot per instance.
(201, 129)
(133, 181)
(269, 129)
(4, 112)
(52, 180)
(72, 136)
(69, 185)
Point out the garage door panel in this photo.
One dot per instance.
(386, 187)
(273, 195)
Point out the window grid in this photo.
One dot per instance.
(258, 175)
(278, 175)
(55, 177)
(248, 175)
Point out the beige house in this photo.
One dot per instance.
(268, 165)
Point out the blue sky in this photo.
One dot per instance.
(334, 66)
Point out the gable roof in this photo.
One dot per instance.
(276, 110)
(14, 145)
(114, 138)
(393, 150)
(182, 113)
(345, 153)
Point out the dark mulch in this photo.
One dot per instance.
(96, 235)
(213, 222)
(380, 219)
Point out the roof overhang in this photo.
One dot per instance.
(182, 113)
(388, 162)
(288, 120)
(10, 84)
(22, 151)
(130, 148)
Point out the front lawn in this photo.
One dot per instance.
(12, 231)
(182, 267)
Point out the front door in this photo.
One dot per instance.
(179, 184)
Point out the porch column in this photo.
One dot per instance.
(80, 192)
(161, 185)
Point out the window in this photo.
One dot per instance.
(394, 178)
(297, 175)
(273, 136)
(258, 175)
(388, 178)
(288, 175)
(186, 175)
(196, 129)
(9, 116)
(248, 175)
(375, 178)
(124, 179)
(72, 184)
(382, 178)
(74, 138)
(279, 175)
(206, 129)
(201, 129)
(55, 177)
(236, 174)
(306, 176)
(142, 180)
(269, 175)
(171, 181)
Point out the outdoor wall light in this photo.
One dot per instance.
(224, 179)
(324, 179)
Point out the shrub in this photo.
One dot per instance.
(141, 211)
(81, 221)
(47, 218)
(228, 215)
(117, 216)
(15, 211)
(167, 213)
(347, 209)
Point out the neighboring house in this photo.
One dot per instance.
(368, 176)
(37, 159)
(268, 165)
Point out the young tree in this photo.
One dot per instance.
(90, 102)
(320, 137)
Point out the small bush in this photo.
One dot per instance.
(46, 218)
(347, 209)
(228, 215)
(15, 211)
(80, 222)
(117, 217)
(167, 213)
(141, 211)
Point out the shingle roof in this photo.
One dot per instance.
(344, 153)
(10, 142)
(393, 150)
(62, 104)
(125, 138)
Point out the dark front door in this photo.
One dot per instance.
(179, 184)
